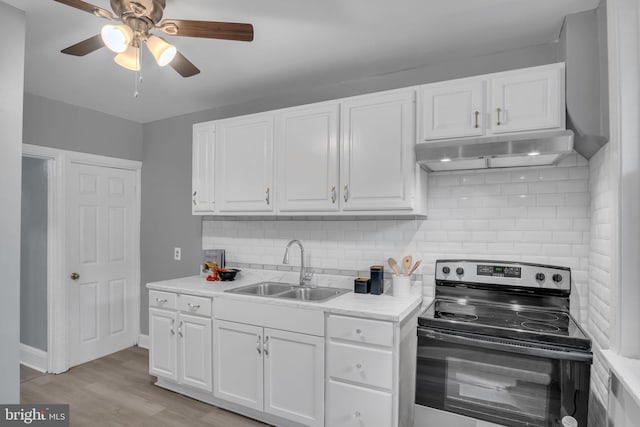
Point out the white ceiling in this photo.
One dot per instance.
(298, 44)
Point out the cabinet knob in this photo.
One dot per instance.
(266, 345)
(356, 414)
(258, 345)
(173, 322)
(359, 366)
(75, 276)
(194, 197)
(359, 331)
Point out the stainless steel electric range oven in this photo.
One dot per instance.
(498, 344)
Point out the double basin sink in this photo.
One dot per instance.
(289, 291)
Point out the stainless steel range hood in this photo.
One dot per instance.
(500, 151)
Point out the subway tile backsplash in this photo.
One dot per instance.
(529, 214)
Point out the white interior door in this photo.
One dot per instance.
(102, 294)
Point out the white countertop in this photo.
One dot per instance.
(627, 370)
(382, 307)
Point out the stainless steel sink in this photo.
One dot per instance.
(263, 289)
(313, 294)
(289, 291)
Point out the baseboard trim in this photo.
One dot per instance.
(33, 358)
(143, 341)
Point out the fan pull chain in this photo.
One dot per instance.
(138, 82)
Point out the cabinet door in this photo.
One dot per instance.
(195, 351)
(294, 376)
(202, 186)
(307, 140)
(452, 109)
(244, 164)
(377, 163)
(525, 100)
(237, 369)
(163, 352)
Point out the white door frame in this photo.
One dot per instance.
(57, 269)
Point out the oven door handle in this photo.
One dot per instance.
(464, 339)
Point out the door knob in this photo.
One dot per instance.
(75, 276)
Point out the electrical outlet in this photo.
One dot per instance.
(177, 254)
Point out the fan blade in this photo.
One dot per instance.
(183, 66)
(88, 7)
(207, 29)
(84, 47)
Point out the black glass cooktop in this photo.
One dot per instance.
(534, 325)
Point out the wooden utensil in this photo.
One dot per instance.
(406, 264)
(394, 266)
(415, 267)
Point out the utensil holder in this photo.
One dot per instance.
(401, 286)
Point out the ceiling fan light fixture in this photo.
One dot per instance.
(117, 37)
(162, 51)
(129, 59)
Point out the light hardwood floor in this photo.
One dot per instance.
(118, 391)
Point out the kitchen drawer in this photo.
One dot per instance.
(162, 299)
(195, 305)
(368, 366)
(352, 406)
(362, 331)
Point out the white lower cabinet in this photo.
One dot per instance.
(163, 349)
(278, 372)
(180, 347)
(363, 373)
(349, 405)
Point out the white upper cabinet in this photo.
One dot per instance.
(529, 99)
(378, 169)
(512, 101)
(307, 158)
(244, 164)
(202, 186)
(452, 109)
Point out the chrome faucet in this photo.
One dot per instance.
(304, 277)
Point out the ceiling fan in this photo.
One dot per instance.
(138, 18)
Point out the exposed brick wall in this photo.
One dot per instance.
(599, 279)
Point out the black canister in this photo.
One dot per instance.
(362, 285)
(377, 279)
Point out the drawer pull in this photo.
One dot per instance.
(258, 345)
(161, 300)
(173, 322)
(193, 306)
(180, 329)
(356, 414)
(266, 345)
(358, 331)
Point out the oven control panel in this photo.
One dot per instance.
(505, 273)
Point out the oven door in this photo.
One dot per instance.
(499, 381)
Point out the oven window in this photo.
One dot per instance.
(498, 386)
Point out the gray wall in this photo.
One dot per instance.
(59, 125)
(12, 33)
(33, 254)
(166, 176)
